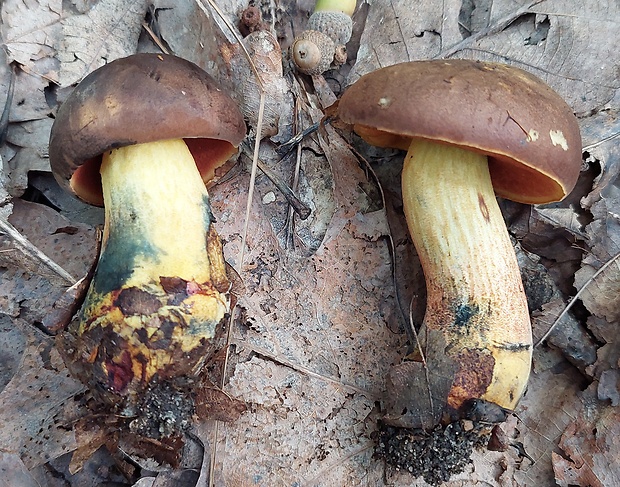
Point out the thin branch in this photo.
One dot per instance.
(299, 206)
(32, 251)
(576, 297)
(154, 38)
(248, 207)
(498, 26)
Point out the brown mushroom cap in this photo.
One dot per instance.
(138, 99)
(530, 135)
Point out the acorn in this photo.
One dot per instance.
(312, 52)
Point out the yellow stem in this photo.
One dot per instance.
(157, 213)
(475, 297)
(158, 298)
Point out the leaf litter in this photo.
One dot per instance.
(317, 326)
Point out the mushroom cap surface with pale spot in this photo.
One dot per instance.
(528, 132)
(138, 99)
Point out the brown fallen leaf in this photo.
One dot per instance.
(320, 325)
(518, 33)
(601, 293)
(265, 52)
(590, 446)
(37, 404)
(14, 472)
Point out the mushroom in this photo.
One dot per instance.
(472, 130)
(141, 136)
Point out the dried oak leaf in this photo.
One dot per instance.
(602, 294)
(35, 405)
(106, 31)
(591, 444)
(546, 37)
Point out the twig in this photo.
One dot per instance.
(289, 228)
(32, 251)
(248, 207)
(290, 144)
(154, 38)
(498, 26)
(299, 206)
(576, 297)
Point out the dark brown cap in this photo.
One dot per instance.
(528, 132)
(138, 99)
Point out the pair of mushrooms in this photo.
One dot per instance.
(143, 134)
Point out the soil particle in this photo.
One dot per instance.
(435, 455)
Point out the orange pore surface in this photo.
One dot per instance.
(209, 155)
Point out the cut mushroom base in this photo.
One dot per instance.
(158, 298)
(475, 298)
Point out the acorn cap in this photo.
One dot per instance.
(337, 26)
(138, 99)
(528, 132)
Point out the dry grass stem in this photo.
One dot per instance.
(24, 245)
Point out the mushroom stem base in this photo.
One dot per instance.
(157, 304)
(476, 329)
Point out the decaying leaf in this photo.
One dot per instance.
(590, 447)
(56, 43)
(36, 405)
(104, 31)
(546, 37)
(601, 294)
(31, 31)
(63, 41)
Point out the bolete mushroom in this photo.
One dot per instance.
(471, 130)
(141, 136)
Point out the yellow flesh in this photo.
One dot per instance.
(469, 265)
(164, 201)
